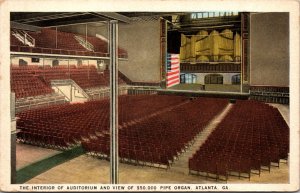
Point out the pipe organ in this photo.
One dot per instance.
(224, 46)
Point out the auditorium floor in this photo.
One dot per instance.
(28, 154)
(86, 169)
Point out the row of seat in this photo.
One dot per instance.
(28, 85)
(34, 80)
(158, 140)
(58, 40)
(253, 136)
(89, 119)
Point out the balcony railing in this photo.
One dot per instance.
(207, 67)
(16, 48)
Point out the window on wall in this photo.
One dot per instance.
(35, 60)
(201, 15)
(213, 79)
(205, 15)
(236, 79)
(188, 78)
(194, 16)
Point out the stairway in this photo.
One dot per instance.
(181, 164)
(24, 37)
(71, 91)
(87, 45)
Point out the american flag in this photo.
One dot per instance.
(173, 70)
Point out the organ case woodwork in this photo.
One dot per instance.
(224, 46)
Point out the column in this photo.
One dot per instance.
(113, 54)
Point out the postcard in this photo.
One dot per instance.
(181, 96)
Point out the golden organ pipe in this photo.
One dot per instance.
(204, 46)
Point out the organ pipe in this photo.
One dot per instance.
(193, 51)
(214, 43)
(214, 46)
(237, 47)
(183, 47)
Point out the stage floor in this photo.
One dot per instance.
(208, 87)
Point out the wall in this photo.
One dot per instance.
(141, 39)
(142, 42)
(15, 60)
(269, 49)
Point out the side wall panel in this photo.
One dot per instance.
(269, 49)
(142, 42)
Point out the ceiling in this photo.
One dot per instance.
(182, 24)
(52, 19)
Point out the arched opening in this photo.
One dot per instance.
(22, 62)
(55, 63)
(79, 62)
(213, 79)
(236, 79)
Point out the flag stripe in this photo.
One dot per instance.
(173, 83)
(173, 70)
(173, 57)
(172, 73)
(172, 78)
(174, 66)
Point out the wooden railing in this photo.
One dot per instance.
(271, 94)
(24, 37)
(207, 67)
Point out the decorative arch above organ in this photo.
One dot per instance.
(224, 46)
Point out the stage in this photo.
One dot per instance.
(194, 90)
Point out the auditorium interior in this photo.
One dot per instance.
(178, 97)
